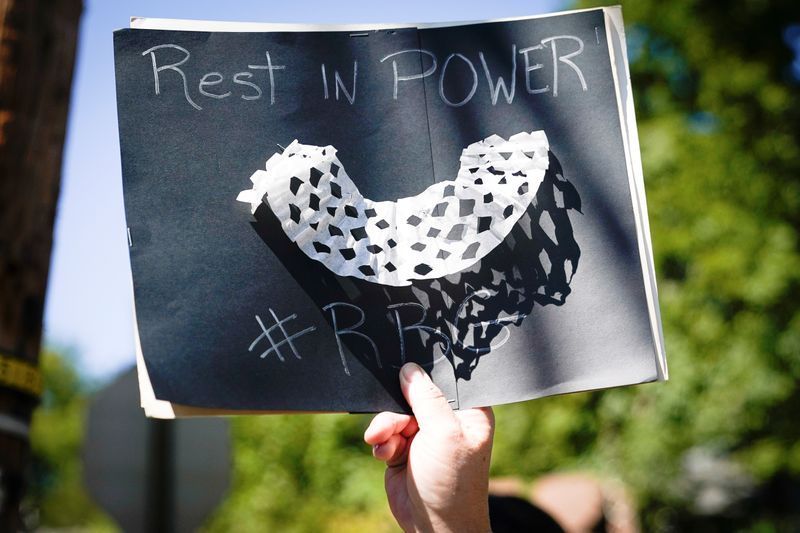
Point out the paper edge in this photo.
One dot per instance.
(147, 23)
(153, 407)
(433, 25)
(615, 29)
(573, 387)
(154, 23)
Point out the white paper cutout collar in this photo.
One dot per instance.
(446, 228)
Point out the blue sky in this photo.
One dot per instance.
(89, 300)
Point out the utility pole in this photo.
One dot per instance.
(37, 54)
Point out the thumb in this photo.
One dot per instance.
(427, 401)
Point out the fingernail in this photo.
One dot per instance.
(412, 372)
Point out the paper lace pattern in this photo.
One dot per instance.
(444, 229)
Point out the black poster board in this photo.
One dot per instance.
(234, 313)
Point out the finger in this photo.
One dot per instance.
(425, 398)
(411, 429)
(400, 457)
(386, 424)
(390, 450)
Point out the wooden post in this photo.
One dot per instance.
(37, 52)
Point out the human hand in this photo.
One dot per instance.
(437, 461)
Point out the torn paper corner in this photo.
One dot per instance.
(444, 229)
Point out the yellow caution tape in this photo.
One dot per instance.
(18, 374)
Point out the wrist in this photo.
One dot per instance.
(464, 524)
(471, 517)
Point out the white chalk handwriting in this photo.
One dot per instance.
(544, 71)
(347, 323)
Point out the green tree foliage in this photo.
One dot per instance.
(57, 496)
(304, 473)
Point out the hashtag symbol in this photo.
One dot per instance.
(275, 346)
